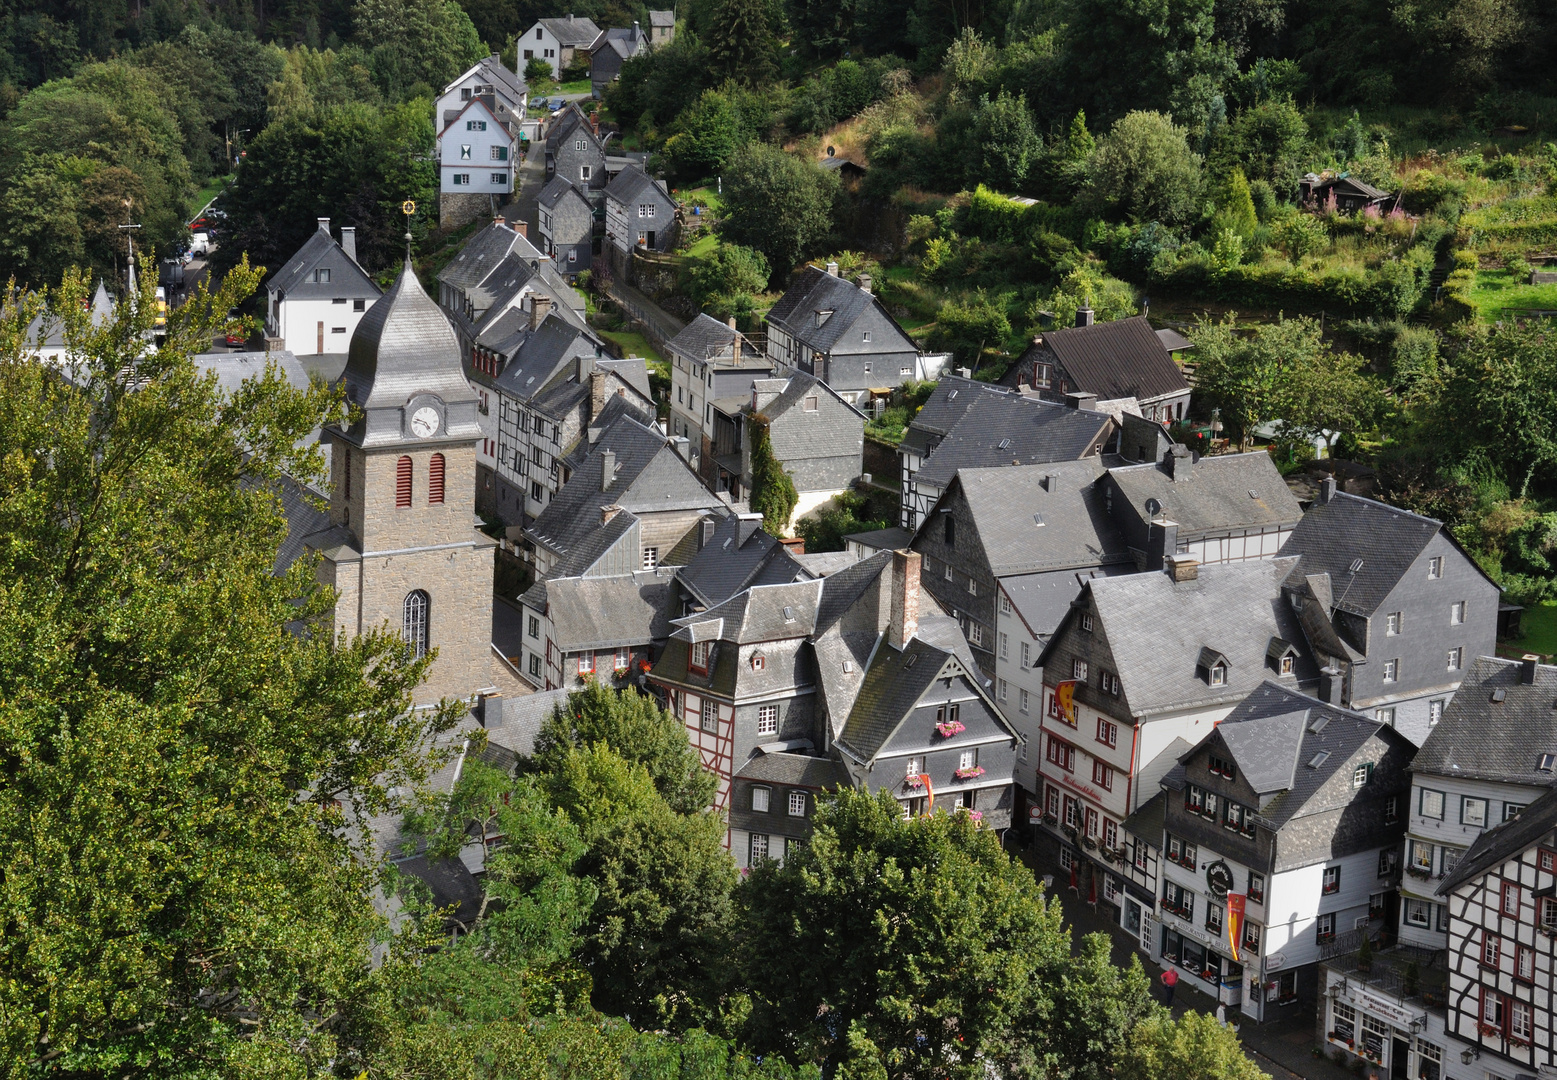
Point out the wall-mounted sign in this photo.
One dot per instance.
(1220, 877)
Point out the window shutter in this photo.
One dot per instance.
(403, 483)
(435, 480)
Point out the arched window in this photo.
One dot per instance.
(403, 482)
(416, 605)
(435, 480)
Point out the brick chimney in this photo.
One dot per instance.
(1527, 665)
(904, 622)
(607, 469)
(865, 284)
(522, 228)
(540, 307)
(349, 241)
(1326, 490)
(1182, 568)
(735, 340)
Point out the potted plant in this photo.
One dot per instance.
(948, 728)
(1411, 978)
(1365, 955)
(970, 773)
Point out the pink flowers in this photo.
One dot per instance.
(914, 781)
(948, 728)
(969, 773)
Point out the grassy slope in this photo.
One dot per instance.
(1497, 291)
(1539, 623)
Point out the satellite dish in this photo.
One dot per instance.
(1153, 507)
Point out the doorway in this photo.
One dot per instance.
(1399, 1052)
(651, 240)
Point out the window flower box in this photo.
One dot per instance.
(916, 781)
(1420, 872)
(969, 773)
(1490, 1031)
(949, 728)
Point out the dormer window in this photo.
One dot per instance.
(1218, 674)
(1286, 664)
(699, 658)
(823, 316)
(758, 662)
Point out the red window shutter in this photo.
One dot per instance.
(403, 482)
(435, 480)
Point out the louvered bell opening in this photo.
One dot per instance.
(403, 482)
(435, 481)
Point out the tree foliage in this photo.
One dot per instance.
(778, 204)
(1499, 400)
(1144, 170)
(773, 493)
(1192, 1045)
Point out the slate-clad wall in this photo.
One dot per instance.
(966, 559)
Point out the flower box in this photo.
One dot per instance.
(1491, 1031)
(915, 781)
(969, 774)
(950, 727)
(1419, 872)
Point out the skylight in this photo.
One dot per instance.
(789, 614)
(1319, 759)
(1545, 762)
(1356, 565)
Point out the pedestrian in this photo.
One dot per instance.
(1170, 982)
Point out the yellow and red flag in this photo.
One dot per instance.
(1235, 904)
(1065, 694)
(928, 790)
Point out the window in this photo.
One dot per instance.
(797, 804)
(1194, 799)
(499, 153)
(1450, 859)
(1434, 712)
(535, 666)
(359, 305)
(586, 663)
(1109, 682)
(948, 535)
(1218, 674)
(1392, 624)
(1005, 647)
(1251, 938)
(1419, 913)
(459, 179)
(1546, 860)
(1021, 697)
(322, 274)
(1520, 1026)
(758, 662)
(1392, 810)
(435, 481)
(1491, 949)
(1332, 881)
(759, 799)
(973, 587)
(1324, 927)
(968, 759)
(1178, 900)
(1061, 754)
(1524, 963)
(811, 404)
(1548, 913)
(1385, 716)
(465, 152)
(584, 171)
(865, 335)
(947, 571)
(767, 720)
(1456, 659)
(1221, 766)
(1389, 862)
(1491, 1008)
(475, 125)
(1511, 811)
(1510, 904)
(1078, 670)
(1027, 655)
(500, 178)
(915, 766)
(1102, 776)
(1005, 604)
(1256, 887)
(1002, 687)
(403, 483)
(699, 660)
(710, 714)
(1422, 855)
(1430, 804)
(1457, 613)
(535, 626)
(415, 622)
(1236, 817)
(1473, 811)
(1286, 664)
(1435, 568)
(975, 633)
(1107, 732)
(759, 849)
(1086, 623)
(1214, 918)
(1392, 669)
(622, 658)
(1362, 774)
(1110, 833)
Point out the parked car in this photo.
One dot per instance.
(200, 243)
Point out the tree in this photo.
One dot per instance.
(1500, 397)
(1302, 235)
(1268, 140)
(709, 132)
(1144, 170)
(1237, 373)
(1235, 208)
(1326, 393)
(538, 70)
(1119, 55)
(1193, 1045)
(740, 41)
(1097, 1004)
(1006, 140)
(773, 493)
(778, 204)
(914, 945)
(968, 327)
(188, 743)
(415, 47)
(727, 271)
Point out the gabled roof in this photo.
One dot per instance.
(1009, 429)
(1483, 738)
(452, 116)
(632, 370)
(705, 337)
(321, 251)
(725, 564)
(593, 613)
(625, 43)
(760, 613)
(556, 190)
(632, 182)
(1533, 825)
(662, 18)
(571, 30)
(1361, 187)
(482, 253)
(1233, 608)
(504, 288)
(795, 388)
(817, 292)
(1024, 527)
(1225, 491)
(794, 770)
(949, 402)
(47, 331)
(537, 356)
(1121, 359)
(494, 69)
(1041, 599)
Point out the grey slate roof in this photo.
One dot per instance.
(1233, 608)
(796, 388)
(494, 68)
(556, 188)
(634, 371)
(706, 337)
(1225, 491)
(304, 515)
(481, 254)
(625, 43)
(321, 251)
(724, 566)
(571, 30)
(1122, 359)
(1334, 535)
(1151, 819)
(47, 331)
(818, 291)
(1533, 825)
(893, 539)
(1174, 341)
(759, 613)
(591, 613)
(233, 369)
(632, 182)
(795, 770)
(1521, 727)
(1007, 429)
(662, 18)
(537, 357)
(1007, 505)
(949, 402)
(1042, 599)
(523, 717)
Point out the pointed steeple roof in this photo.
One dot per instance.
(404, 351)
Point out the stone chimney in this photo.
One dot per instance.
(832, 269)
(492, 711)
(607, 469)
(1178, 461)
(1330, 684)
(1082, 400)
(1326, 490)
(905, 599)
(1162, 543)
(324, 225)
(965, 373)
(540, 307)
(349, 241)
(683, 447)
(1527, 665)
(1182, 568)
(745, 526)
(865, 284)
(522, 228)
(597, 393)
(609, 512)
(1084, 314)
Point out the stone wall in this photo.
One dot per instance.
(455, 208)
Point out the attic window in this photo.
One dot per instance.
(912, 658)
(848, 667)
(1319, 759)
(1218, 674)
(1356, 565)
(1005, 444)
(1038, 520)
(1545, 762)
(951, 395)
(1319, 724)
(811, 403)
(699, 658)
(1253, 494)
(789, 614)
(1286, 664)
(758, 662)
(322, 274)
(823, 316)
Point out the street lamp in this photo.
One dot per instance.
(1469, 1054)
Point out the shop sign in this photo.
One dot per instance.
(1220, 877)
(1383, 1008)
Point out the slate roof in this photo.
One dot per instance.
(1121, 359)
(759, 613)
(818, 291)
(1174, 341)
(1501, 843)
(304, 515)
(634, 371)
(571, 30)
(494, 68)
(1149, 821)
(321, 250)
(632, 182)
(1233, 608)
(48, 331)
(1009, 429)
(893, 539)
(233, 369)
(591, 613)
(1042, 599)
(949, 402)
(1221, 492)
(1007, 505)
(724, 566)
(1524, 726)
(795, 770)
(796, 388)
(662, 18)
(706, 337)
(554, 191)
(538, 356)
(523, 717)
(481, 254)
(649, 477)
(625, 43)
(1334, 535)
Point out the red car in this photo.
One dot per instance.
(237, 337)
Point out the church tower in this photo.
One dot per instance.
(403, 549)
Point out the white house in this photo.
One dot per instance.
(476, 153)
(317, 299)
(556, 41)
(507, 95)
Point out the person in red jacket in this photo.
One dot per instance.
(1170, 982)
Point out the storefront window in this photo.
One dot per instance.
(1429, 1061)
(1193, 956)
(1373, 1033)
(1343, 1022)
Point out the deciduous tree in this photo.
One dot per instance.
(778, 204)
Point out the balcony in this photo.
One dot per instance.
(1403, 972)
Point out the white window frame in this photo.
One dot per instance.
(761, 799)
(797, 804)
(767, 719)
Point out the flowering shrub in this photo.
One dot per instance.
(948, 728)
(970, 773)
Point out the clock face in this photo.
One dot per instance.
(424, 422)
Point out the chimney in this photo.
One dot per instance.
(540, 307)
(705, 532)
(832, 269)
(607, 469)
(1051, 482)
(522, 228)
(748, 524)
(905, 598)
(324, 225)
(1162, 542)
(1082, 400)
(1178, 461)
(609, 512)
(492, 711)
(597, 393)
(683, 447)
(965, 373)
(637, 33)
(1326, 490)
(865, 284)
(349, 241)
(1527, 665)
(570, 16)
(1330, 684)
(1084, 314)
(1182, 568)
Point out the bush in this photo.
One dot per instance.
(538, 70)
(848, 513)
(968, 327)
(1144, 170)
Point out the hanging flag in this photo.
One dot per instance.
(1073, 887)
(928, 790)
(1065, 694)
(1235, 903)
(1092, 887)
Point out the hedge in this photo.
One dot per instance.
(1393, 289)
